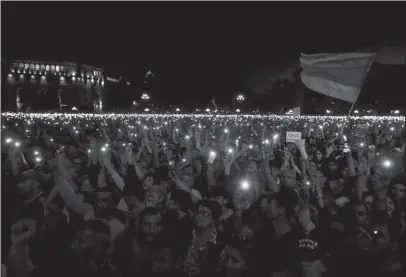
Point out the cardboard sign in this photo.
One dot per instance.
(293, 136)
(361, 130)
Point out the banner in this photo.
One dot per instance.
(339, 76)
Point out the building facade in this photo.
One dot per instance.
(52, 86)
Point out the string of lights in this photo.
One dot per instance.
(52, 118)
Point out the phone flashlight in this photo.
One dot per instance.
(36, 153)
(266, 141)
(230, 150)
(9, 140)
(38, 159)
(184, 160)
(103, 149)
(245, 185)
(346, 148)
(226, 130)
(308, 183)
(275, 136)
(17, 144)
(392, 129)
(321, 126)
(89, 151)
(212, 154)
(171, 163)
(187, 137)
(362, 144)
(387, 163)
(251, 146)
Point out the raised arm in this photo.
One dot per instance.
(137, 169)
(118, 180)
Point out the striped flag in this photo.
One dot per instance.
(338, 75)
(296, 111)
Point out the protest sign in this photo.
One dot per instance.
(293, 136)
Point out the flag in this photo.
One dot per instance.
(296, 111)
(213, 101)
(338, 75)
(389, 55)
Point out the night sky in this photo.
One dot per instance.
(196, 49)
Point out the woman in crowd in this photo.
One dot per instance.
(196, 198)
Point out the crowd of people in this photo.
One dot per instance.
(202, 196)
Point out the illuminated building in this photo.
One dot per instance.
(40, 85)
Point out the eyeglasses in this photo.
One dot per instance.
(203, 213)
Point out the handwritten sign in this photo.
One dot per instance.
(293, 136)
(361, 130)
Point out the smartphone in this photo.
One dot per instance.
(346, 148)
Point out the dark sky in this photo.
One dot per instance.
(196, 49)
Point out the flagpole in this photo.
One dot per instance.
(364, 77)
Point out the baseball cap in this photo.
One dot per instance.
(30, 174)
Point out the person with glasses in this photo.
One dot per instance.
(203, 251)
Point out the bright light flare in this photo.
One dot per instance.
(387, 163)
(245, 185)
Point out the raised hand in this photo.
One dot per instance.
(23, 230)
(228, 161)
(329, 150)
(300, 144)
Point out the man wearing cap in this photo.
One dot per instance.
(29, 189)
